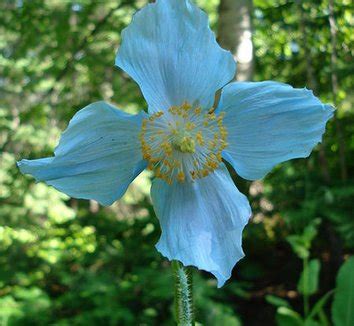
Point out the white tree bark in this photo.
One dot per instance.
(235, 34)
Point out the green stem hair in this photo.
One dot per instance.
(184, 312)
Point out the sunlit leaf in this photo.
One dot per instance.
(288, 317)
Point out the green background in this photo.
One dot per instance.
(70, 262)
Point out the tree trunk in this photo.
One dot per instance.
(312, 83)
(235, 34)
(335, 89)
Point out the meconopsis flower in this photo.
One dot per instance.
(170, 51)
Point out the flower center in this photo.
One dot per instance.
(183, 143)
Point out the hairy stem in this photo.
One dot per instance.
(184, 312)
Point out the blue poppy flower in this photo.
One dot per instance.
(170, 51)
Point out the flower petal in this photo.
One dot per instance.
(202, 222)
(172, 54)
(97, 157)
(269, 123)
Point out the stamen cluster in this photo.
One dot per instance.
(183, 143)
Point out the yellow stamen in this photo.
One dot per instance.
(187, 139)
(181, 177)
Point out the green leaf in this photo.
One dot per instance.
(310, 232)
(287, 317)
(308, 283)
(311, 322)
(276, 301)
(298, 246)
(318, 307)
(343, 304)
(301, 244)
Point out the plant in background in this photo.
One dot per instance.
(343, 304)
(308, 285)
(301, 245)
(172, 54)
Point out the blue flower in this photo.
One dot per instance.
(170, 51)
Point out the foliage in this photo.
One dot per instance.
(66, 261)
(308, 283)
(343, 304)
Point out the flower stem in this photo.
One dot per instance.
(184, 312)
(306, 281)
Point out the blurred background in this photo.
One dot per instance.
(72, 262)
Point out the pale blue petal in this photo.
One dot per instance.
(172, 54)
(269, 123)
(202, 222)
(97, 157)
